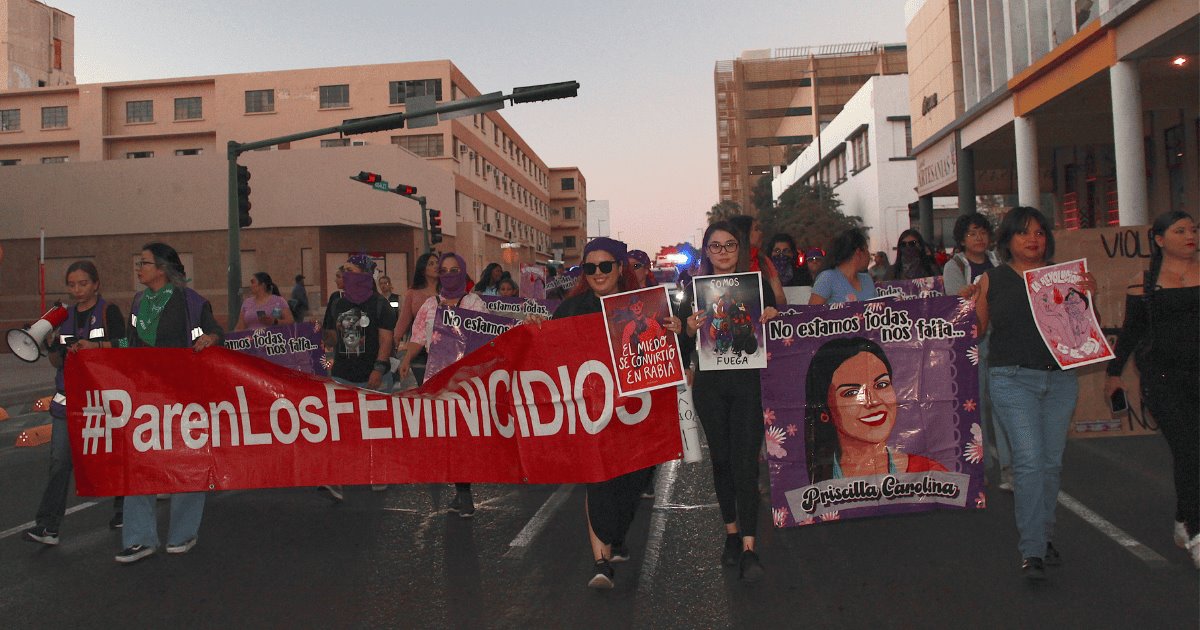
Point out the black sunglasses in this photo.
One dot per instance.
(589, 269)
(909, 244)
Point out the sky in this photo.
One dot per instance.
(642, 130)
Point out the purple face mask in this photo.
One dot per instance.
(358, 286)
(785, 265)
(452, 285)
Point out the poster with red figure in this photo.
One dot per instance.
(1064, 315)
(533, 282)
(645, 355)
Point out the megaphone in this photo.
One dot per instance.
(26, 343)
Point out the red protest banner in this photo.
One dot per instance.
(534, 406)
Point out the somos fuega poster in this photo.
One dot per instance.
(730, 335)
(872, 408)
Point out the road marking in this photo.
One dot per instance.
(680, 506)
(1144, 553)
(20, 528)
(518, 546)
(667, 474)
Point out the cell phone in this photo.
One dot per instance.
(262, 314)
(1117, 402)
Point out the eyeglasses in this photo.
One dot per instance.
(909, 244)
(589, 269)
(137, 264)
(716, 248)
(444, 270)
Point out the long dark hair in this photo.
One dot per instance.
(167, 259)
(86, 266)
(928, 264)
(419, 281)
(820, 437)
(1162, 223)
(845, 245)
(1015, 222)
(264, 279)
(485, 278)
(743, 240)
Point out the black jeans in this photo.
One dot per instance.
(729, 404)
(54, 498)
(1173, 396)
(612, 505)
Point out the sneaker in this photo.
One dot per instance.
(117, 521)
(751, 570)
(466, 505)
(620, 553)
(455, 503)
(42, 535)
(1193, 548)
(1053, 558)
(732, 551)
(334, 493)
(132, 554)
(648, 494)
(1033, 569)
(603, 578)
(1181, 537)
(182, 547)
(1006, 479)
(379, 487)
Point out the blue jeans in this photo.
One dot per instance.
(1034, 409)
(993, 432)
(141, 526)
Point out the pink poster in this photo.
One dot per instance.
(533, 282)
(1064, 314)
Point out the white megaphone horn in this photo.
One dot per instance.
(26, 343)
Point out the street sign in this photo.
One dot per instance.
(381, 185)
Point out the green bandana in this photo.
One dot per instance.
(150, 311)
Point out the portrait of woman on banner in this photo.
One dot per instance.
(851, 412)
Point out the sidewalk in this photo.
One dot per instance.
(22, 383)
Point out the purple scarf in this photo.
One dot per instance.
(358, 286)
(452, 286)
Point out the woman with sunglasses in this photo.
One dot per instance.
(639, 262)
(729, 404)
(913, 258)
(611, 505)
(452, 292)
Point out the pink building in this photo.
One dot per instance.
(76, 153)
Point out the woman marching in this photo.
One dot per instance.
(847, 280)
(1032, 398)
(91, 323)
(265, 307)
(1162, 322)
(423, 287)
(729, 404)
(611, 505)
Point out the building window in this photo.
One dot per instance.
(188, 151)
(568, 242)
(139, 111)
(190, 108)
(58, 159)
(335, 96)
(862, 153)
(10, 120)
(335, 142)
(424, 145)
(9, 162)
(568, 183)
(54, 117)
(136, 155)
(399, 91)
(260, 101)
(569, 212)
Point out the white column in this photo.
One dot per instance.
(1025, 132)
(1132, 196)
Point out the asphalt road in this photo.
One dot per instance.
(290, 558)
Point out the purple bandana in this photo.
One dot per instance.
(452, 286)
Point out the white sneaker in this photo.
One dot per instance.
(333, 492)
(379, 487)
(1193, 548)
(182, 547)
(1181, 537)
(1006, 479)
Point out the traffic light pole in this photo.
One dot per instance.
(233, 279)
(424, 222)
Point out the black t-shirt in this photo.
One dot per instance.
(357, 327)
(113, 324)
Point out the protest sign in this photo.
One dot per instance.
(294, 346)
(458, 332)
(873, 408)
(730, 336)
(1063, 314)
(540, 405)
(519, 308)
(915, 288)
(644, 354)
(533, 282)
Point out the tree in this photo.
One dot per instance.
(811, 214)
(723, 210)
(761, 195)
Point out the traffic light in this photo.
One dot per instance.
(367, 178)
(547, 92)
(406, 191)
(435, 226)
(243, 193)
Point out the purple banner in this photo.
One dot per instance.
(518, 308)
(872, 408)
(907, 289)
(294, 346)
(458, 332)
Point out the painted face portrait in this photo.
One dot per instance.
(861, 400)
